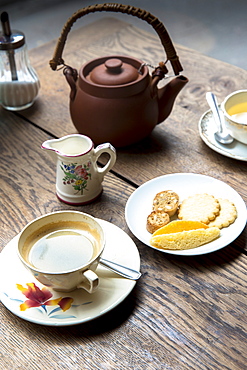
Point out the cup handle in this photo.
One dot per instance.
(90, 282)
(105, 148)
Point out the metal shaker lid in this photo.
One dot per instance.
(10, 40)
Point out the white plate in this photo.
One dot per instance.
(139, 205)
(113, 289)
(207, 128)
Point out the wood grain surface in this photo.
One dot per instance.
(184, 312)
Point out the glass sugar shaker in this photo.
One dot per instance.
(19, 83)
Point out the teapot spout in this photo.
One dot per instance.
(167, 96)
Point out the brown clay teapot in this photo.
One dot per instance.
(114, 98)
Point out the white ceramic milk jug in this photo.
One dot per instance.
(79, 178)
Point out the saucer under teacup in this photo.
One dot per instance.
(207, 128)
(72, 307)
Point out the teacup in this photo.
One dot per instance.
(62, 250)
(234, 108)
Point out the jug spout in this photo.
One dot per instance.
(167, 96)
(54, 147)
(48, 145)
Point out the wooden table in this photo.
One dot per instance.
(184, 313)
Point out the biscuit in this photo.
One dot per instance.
(199, 207)
(166, 201)
(156, 220)
(227, 215)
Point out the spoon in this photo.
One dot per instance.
(124, 271)
(221, 136)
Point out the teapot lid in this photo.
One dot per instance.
(120, 79)
(113, 72)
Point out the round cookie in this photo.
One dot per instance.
(199, 207)
(227, 215)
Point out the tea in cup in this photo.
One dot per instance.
(62, 250)
(234, 108)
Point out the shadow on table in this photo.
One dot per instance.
(109, 321)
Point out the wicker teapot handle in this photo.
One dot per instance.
(126, 9)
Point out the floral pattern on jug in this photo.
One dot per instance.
(76, 175)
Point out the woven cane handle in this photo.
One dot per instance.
(126, 9)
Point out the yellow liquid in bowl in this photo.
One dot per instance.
(238, 108)
(239, 112)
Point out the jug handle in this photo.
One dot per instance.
(109, 149)
(71, 75)
(158, 26)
